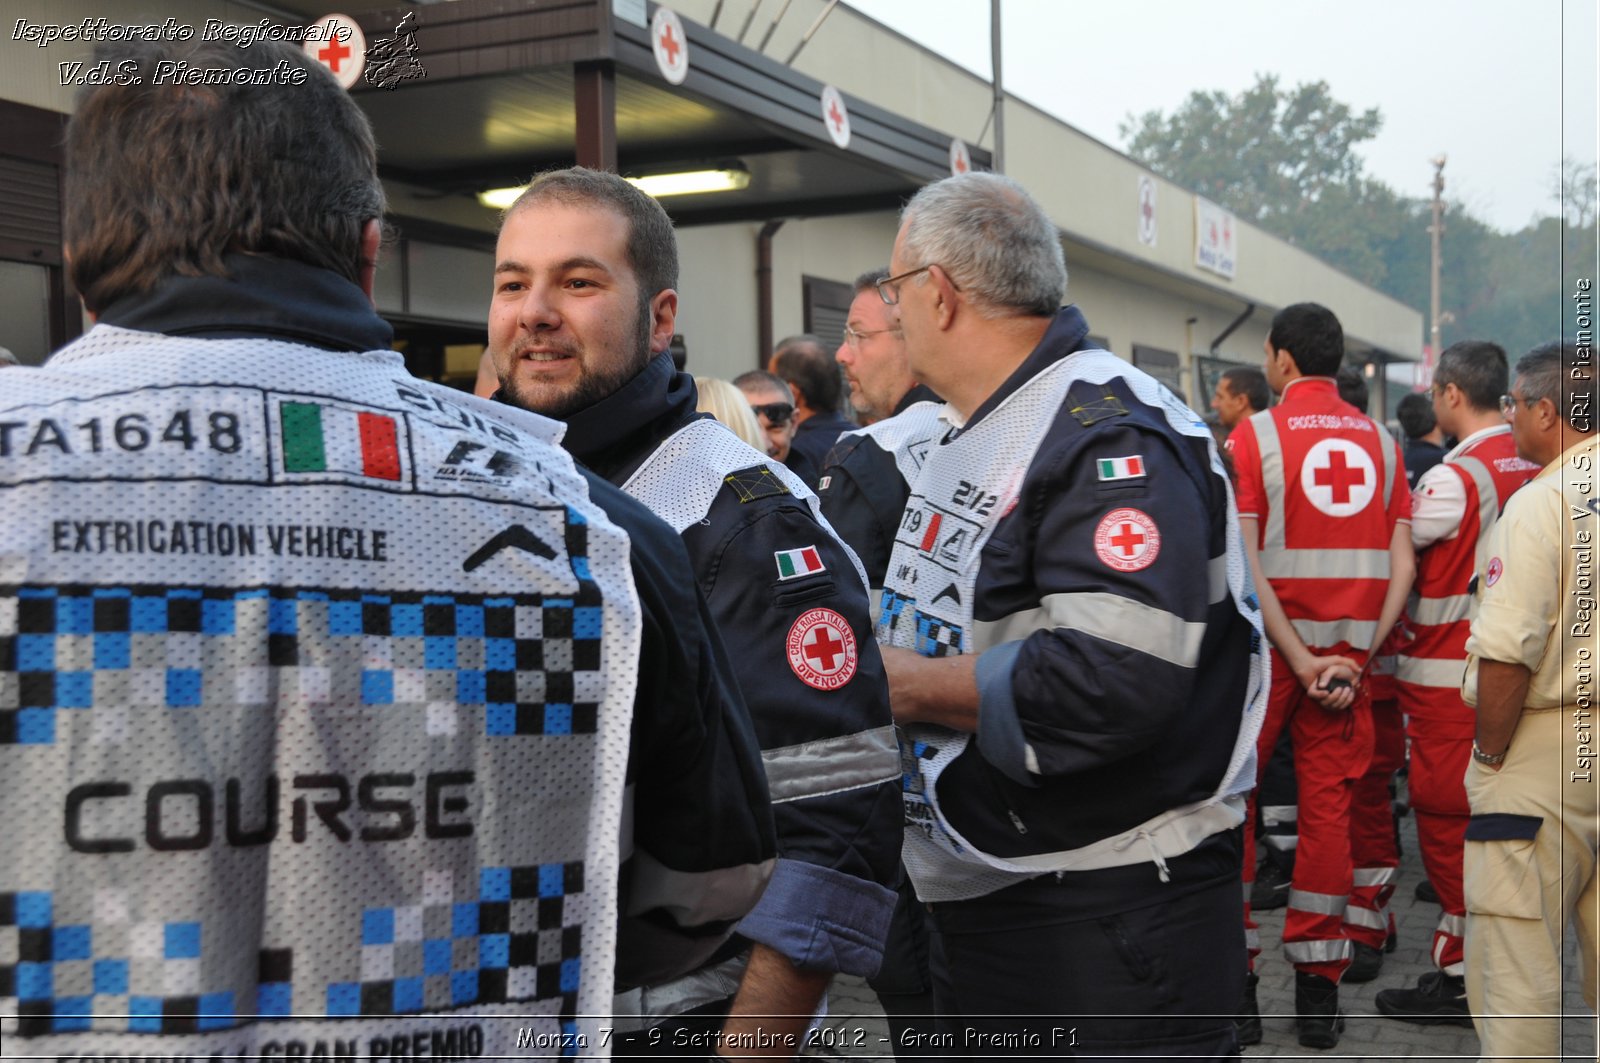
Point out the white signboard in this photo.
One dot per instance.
(1147, 210)
(1216, 234)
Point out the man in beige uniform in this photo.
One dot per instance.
(1532, 839)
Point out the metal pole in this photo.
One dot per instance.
(999, 90)
(1437, 228)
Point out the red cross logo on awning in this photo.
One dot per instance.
(822, 649)
(669, 44)
(334, 54)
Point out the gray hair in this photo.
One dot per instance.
(998, 246)
(1565, 375)
(7, 358)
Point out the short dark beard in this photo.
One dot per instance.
(591, 386)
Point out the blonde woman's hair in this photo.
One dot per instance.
(727, 404)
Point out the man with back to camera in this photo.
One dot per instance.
(1323, 509)
(1532, 840)
(1454, 509)
(1241, 392)
(809, 369)
(863, 489)
(295, 644)
(582, 311)
(1045, 597)
(1424, 435)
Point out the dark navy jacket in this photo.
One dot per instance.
(838, 817)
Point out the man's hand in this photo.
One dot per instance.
(773, 1010)
(941, 690)
(1329, 681)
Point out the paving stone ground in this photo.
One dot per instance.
(859, 1031)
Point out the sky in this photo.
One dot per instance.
(1503, 88)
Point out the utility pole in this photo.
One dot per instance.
(999, 90)
(1437, 228)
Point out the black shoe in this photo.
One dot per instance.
(1438, 1000)
(1271, 888)
(1316, 1005)
(1365, 966)
(1426, 892)
(1248, 1021)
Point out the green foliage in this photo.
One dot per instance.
(1286, 159)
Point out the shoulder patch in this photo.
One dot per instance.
(1127, 540)
(1130, 467)
(754, 483)
(841, 450)
(1092, 403)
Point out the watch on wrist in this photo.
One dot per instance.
(1486, 758)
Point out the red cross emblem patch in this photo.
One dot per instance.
(1338, 477)
(822, 649)
(1127, 540)
(1496, 569)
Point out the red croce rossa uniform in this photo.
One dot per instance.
(1431, 666)
(1327, 488)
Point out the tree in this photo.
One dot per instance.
(1267, 154)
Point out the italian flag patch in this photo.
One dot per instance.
(320, 438)
(792, 564)
(1129, 468)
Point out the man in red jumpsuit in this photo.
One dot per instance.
(1456, 504)
(1324, 512)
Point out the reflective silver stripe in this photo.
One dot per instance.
(1282, 842)
(1217, 580)
(832, 765)
(1325, 564)
(1247, 887)
(1358, 633)
(1366, 917)
(1431, 612)
(1331, 950)
(1274, 815)
(693, 898)
(1106, 616)
(1387, 448)
(1488, 505)
(1372, 876)
(1271, 448)
(1252, 940)
(1431, 672)
(1452, 925)
(1318, 903)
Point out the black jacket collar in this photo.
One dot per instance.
(616, 434)
(1069, 332)
(919, 393)
(263, 296)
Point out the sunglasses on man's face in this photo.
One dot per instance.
(774, 412)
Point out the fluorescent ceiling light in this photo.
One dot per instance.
(687, 183)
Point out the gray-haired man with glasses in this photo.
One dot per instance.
(1074, 665)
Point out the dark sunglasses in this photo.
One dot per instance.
(775, 412)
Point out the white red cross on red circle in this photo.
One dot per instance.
(669, 44)
(1338, 476)
(821, 649)
(334, 54)
(1127, 539)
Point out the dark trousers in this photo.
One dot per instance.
(1018, 972)
(903, 984)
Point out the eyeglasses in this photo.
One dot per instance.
(774, 412)
(889, 287)
(1508, 405)
(854, 336)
